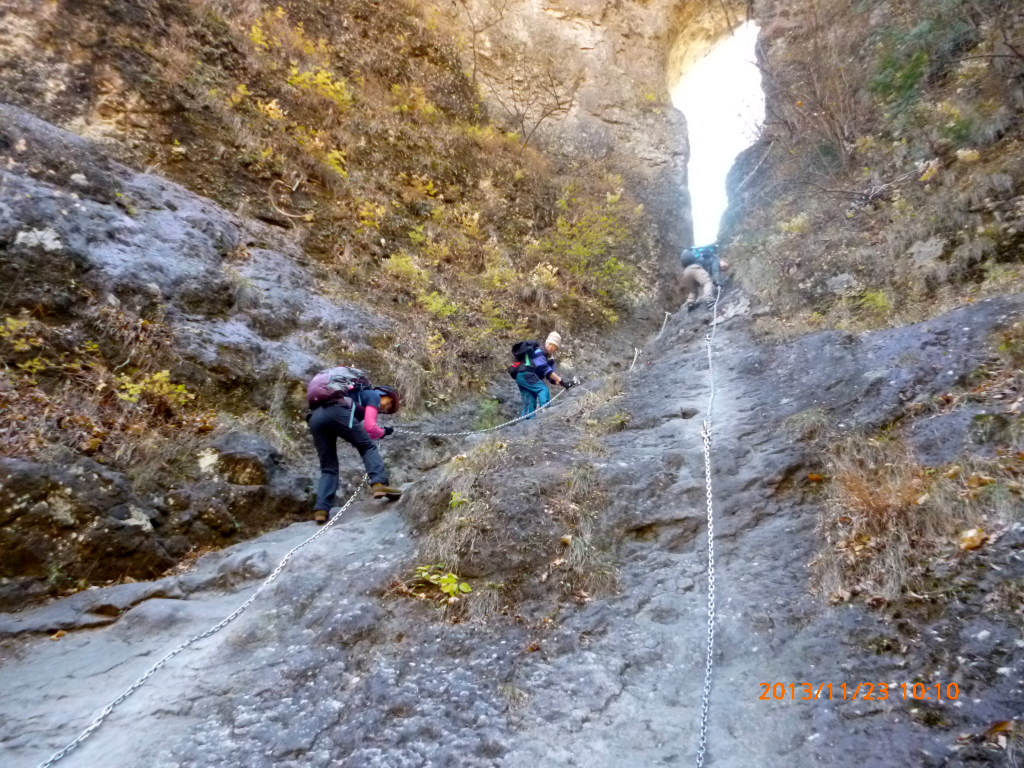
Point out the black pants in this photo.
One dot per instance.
(327, 424)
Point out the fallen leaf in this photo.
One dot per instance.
(815, 478)
(972, 538)
(58, 634)
(534, 646)
(1002, 726)
(567, 539)
(922, 499)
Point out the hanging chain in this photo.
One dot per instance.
(195, 639)
(709, 338)
(575, 382)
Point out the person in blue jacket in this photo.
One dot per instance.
(533, 366)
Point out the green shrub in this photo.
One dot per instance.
(402, 267)
(875, 302)
(438, 305)
(320, 81)
(488, 414)
(584, 243)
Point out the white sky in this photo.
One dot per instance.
(723, 102)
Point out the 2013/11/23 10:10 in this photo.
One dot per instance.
(863, 691)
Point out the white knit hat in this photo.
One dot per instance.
(554, 338)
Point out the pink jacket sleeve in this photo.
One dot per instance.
(370, 423)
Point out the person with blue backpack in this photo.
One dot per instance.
(533, 365)
(702, 272)
(343, 403)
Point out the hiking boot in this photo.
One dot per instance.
(321, 516)
(381, 491)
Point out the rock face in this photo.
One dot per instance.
(87, 242)
(83, 521)
(630, 55)
(324, 671)
(140, 241)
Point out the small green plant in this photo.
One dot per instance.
(370, 215)
(438, 305)
(417, 235)
(899, 76)
(488, 414)
(320, 81)
(18, 333)
(156, 386)
(875, 302)
(404, 269)
(336, 159)
(608, 425)
(446, 582)
(457, 500)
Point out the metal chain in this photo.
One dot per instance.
(192, 640)
(575, 382)
(706, 435)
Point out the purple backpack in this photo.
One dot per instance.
(334, 385)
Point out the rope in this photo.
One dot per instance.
(550, 402)
(663, 324)
(709, 339)
(192, 640)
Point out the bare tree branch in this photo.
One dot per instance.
(477, 26)
(533, 90)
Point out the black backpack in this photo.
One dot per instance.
(522, 353)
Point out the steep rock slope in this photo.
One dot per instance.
(359, 206)
(323, 671)
(149, 296)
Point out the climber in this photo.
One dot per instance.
(702, 275)
(533, 364)
(343, 403)
(705, 256)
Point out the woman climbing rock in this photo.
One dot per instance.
(533, 364)
(343, 403)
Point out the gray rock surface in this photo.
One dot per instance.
(140, 240)
(325, 671)
(80, 236)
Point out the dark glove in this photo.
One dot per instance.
(388, 431)
(566, 384)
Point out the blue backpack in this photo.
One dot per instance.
(703, 255)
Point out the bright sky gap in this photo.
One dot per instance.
(723, 102)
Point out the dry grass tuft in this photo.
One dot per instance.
(459, 518)
(609, 390)
(809, 424)
(588, 563)
(887, 518)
